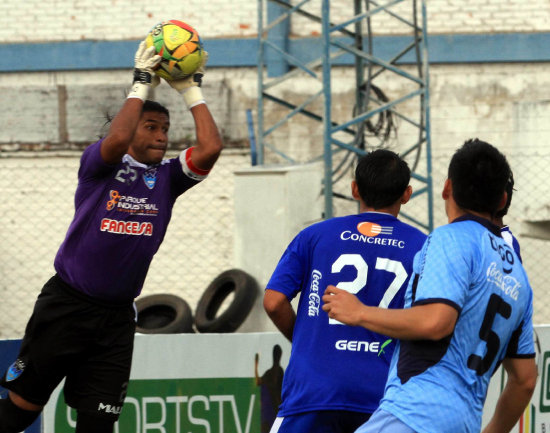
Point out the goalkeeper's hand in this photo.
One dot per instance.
(145, 61)
(189, 87)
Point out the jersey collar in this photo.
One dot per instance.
(377, 215)
(494, 229)
(130, 160)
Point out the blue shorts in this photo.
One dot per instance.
(325, 421)
(382, 421)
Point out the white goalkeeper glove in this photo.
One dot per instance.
(190, 87)
(144, 78)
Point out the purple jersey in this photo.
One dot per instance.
(122, 212)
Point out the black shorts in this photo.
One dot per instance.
(87, 341)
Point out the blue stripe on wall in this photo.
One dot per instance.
(90, 55)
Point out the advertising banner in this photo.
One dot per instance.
(201, 383)
(225, 383)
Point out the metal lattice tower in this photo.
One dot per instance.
(391, 91)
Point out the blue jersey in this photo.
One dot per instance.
(334, 366)
(440, 386)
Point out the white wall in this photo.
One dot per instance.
(73, 20)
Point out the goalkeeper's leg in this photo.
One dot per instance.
(94, 422)
(14, 419)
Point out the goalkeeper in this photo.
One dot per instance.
(83, 323)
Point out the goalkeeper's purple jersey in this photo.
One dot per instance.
(441, 386)
(121, 215)
(334, 366)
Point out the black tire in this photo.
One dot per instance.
(163, 314)
(245, 290)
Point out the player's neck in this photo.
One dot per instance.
(392, 210)
(457, 212)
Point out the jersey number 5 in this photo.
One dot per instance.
(496, 305)
(357, 261)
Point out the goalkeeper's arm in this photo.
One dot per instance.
(125, 123)
(204, 155)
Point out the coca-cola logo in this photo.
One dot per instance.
(314, 300)
(506, 283)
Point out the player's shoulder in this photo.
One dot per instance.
(92, 149)
(469, 236)
(466, 227)
(330, 222)
(411, 230)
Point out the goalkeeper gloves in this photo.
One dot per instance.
(144, 78)
(190, 87)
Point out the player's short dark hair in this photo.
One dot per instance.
(509, 192)
(479, 174)
(382, 177)
(154, 106)
(147, 106)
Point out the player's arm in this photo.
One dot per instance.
(522, 378)
(209, 143)
(280, 311)
(124, 125)
(430, 321)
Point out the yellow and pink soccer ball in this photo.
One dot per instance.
(180, 47)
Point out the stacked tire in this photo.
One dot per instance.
(222, 308)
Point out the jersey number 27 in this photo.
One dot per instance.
(356, 260)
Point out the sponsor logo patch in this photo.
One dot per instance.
(373, 229)
(507, 284)
(150, 177)
(126, 227)
(133, 205)
(314, 300)
(15, 370)
(368, 233)
(107, 408)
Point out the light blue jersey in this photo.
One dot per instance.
(440, 386)
(334, 366)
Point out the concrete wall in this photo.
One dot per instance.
(74, 20)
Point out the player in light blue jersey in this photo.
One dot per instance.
(468, 308)
(336, 373)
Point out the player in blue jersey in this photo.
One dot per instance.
(83, 323)
(468, 308)
(505, 231)
(336, 373)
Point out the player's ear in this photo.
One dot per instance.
(447, 190)
(406, 195)
(503, 201)
(355, 190)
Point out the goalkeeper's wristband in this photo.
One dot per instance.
(141, 85)
(139, 90)
(193, 96)
(142, 76)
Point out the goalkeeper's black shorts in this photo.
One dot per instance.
(72, 335)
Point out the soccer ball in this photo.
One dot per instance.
(180, 47)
